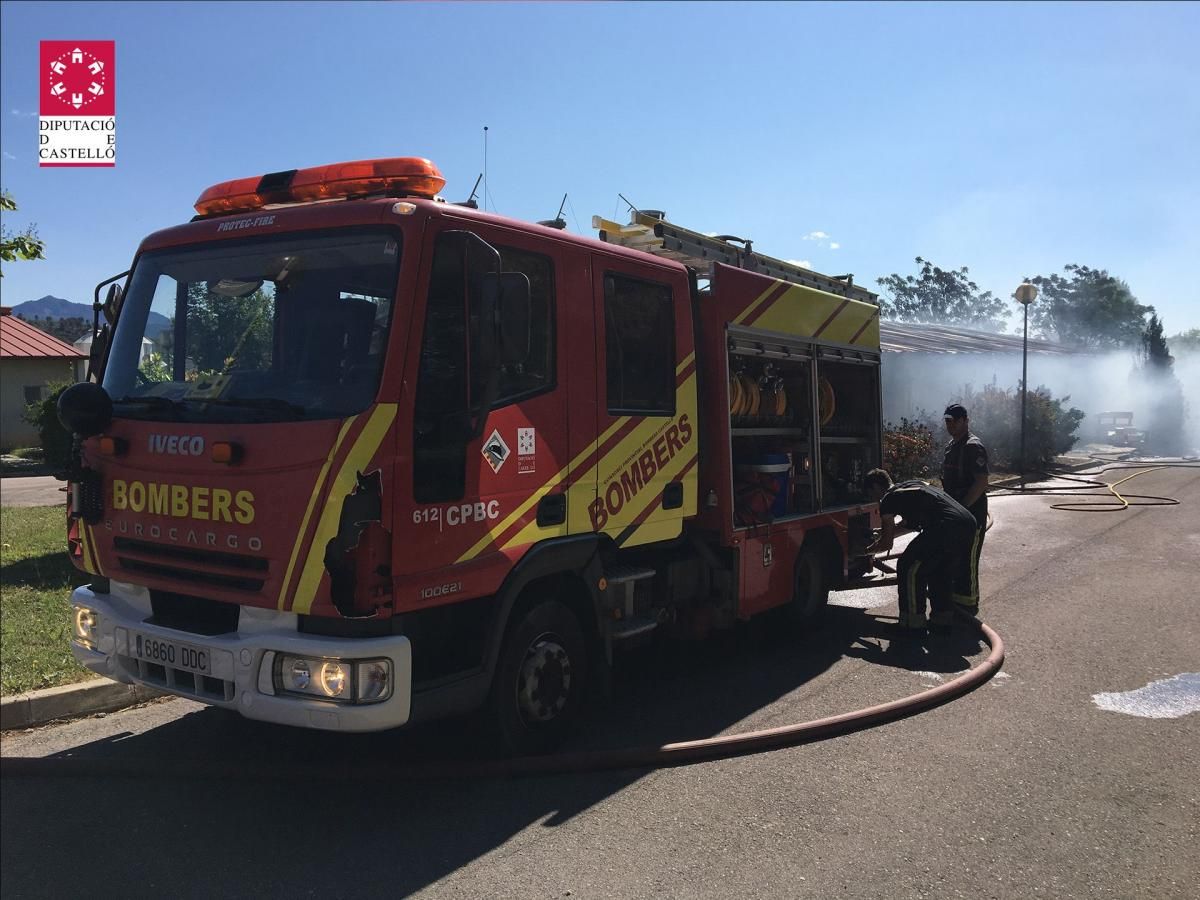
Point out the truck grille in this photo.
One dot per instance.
(179, 681)
(233, 571)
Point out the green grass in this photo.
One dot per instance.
(36, 579)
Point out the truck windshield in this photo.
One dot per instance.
(278, 329)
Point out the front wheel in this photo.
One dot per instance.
(538, 688)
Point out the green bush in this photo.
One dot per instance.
(996, 418)
(910, 451)
(56, 440)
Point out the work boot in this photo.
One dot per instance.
(905, 628)
(942, 622)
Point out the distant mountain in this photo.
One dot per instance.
(57, 308)
(52, 307)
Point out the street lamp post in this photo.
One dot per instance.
(1026, 294)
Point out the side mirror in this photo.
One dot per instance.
(85, 409)
(112, 303)
(513, 315)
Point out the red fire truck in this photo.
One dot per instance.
(352, 456)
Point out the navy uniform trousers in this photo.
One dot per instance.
(928, 568)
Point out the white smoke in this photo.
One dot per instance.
(1096, 384)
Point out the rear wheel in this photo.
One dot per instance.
(810, 590)
(538, 688)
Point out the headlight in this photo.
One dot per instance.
(87, 623)
(374, 681)
(339, 680)
(333, 679)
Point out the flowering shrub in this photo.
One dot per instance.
(996, 418)
(909, 450)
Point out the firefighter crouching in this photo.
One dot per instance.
(965, 478)
(929, 563)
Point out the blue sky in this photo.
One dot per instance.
(1010, 138)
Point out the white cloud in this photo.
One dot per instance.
(816, 236)
(17, 112)
(802, 263)
(8, 155)
(833, 245)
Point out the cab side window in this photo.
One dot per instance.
(639, 319)
(536, 372)
(439, 448)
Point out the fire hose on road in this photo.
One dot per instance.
(1114, 501)
(667, 755)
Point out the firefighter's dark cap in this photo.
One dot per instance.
(955, 411)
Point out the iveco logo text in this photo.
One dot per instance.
(246, 223)
(177, 444)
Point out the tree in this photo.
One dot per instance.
(19, 245)
(1155, 355)
(943, 296)
(1087, 308)
(1185, 342)
(1162, 400)
(226, 332)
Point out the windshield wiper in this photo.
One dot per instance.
(151, 400)
(267, 403)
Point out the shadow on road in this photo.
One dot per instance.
(356, 836)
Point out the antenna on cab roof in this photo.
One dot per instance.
(558, 221)
(470, 201)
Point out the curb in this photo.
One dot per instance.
(70, 701)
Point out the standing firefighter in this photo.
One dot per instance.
(965, 478)
(932, 558)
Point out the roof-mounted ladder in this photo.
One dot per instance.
(650, 232)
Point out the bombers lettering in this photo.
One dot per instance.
(620, 490)
(182, 502)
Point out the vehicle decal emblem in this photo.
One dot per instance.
(495, 451)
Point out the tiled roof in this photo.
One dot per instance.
(20, 340)
(911, 337)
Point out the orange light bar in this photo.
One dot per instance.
(231, 196)
(398, 176)
(404, 175)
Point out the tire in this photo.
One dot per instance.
(538, 688)
(810, 590)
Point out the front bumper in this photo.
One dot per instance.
(242, 663)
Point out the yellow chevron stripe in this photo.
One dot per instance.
(683, 365)
(91, 538)
(88, 566)
(537, 495)
(312, 501)
(631, 445)
(801, 311)
(360, 455)
(755, 305)
(83, 546)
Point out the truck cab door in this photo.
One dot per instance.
(646, 449)
(479, 474)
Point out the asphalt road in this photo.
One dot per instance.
(1024, 788)
(32, 490)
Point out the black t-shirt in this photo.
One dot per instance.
(965, 460)
(925, 507)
